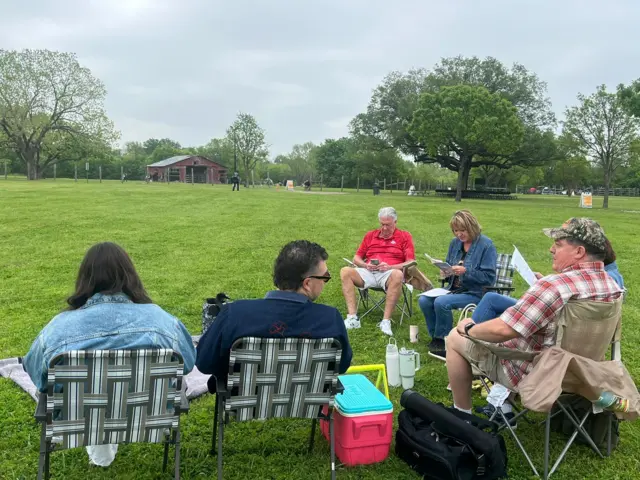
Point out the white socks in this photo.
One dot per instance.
(462, 409)
(507, 408)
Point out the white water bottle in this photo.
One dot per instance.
(393, 364)
(409, 365)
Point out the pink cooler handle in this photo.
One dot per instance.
(358, 424)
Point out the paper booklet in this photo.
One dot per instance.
(349, 262)
(521, 266)
(444, 266)
(435, 292)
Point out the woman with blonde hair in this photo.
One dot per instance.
(473, 258)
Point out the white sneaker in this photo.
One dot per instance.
(351, 322)
(385, 326)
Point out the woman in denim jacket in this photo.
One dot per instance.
(109, 309)
(473, 258)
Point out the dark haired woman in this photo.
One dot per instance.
(108, 310)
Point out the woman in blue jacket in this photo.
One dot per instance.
(473, 258)
(110, 309)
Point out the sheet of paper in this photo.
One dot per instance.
(522, 267)
(444, 266)
(349, 261)
(435, 292)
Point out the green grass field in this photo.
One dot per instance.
(189, 242)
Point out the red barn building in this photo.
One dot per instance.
(187, 168)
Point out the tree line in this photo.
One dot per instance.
(464, 121)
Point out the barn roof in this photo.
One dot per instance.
(179, 158)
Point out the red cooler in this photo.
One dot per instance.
(363, 422)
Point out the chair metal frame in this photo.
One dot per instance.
(566, 409)
(278, 378)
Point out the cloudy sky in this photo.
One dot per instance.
(184, 68)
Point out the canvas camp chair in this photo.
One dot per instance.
(586, 329)
(502, 285)
(278, 378)
(372, 299)
(98, 397)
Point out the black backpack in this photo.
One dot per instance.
(442, 443)
(211, 308)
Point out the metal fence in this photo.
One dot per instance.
(559, 190)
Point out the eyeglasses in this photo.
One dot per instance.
(325, 278)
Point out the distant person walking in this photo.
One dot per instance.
(235, 179)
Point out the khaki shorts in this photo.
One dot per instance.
(486, 362)
(374, 279)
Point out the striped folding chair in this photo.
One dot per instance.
(278, 378)
(99, 397)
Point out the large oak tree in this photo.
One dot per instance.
(45, 98)
(390, 112)
(464, 122)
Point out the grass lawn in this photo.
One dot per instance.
(189, 242)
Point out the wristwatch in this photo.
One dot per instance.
(468, 327)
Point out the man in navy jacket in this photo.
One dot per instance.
(300, 273)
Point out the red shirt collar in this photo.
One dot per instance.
(379, 234)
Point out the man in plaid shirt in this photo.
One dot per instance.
(530, 325)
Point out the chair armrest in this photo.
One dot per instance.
(339, 387)
(41, 409)
(497, 289)
(184, 403)
(221, 388)
(409, 265)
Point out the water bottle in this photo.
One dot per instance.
(393, 364)
(610, 401)
(409, 365)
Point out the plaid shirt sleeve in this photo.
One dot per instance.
(535, 309)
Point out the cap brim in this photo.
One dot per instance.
(555, 233)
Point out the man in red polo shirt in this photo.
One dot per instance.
(379, 261)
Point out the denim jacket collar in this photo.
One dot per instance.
(474, 244)
(102, 298)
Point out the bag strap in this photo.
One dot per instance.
(474, 420)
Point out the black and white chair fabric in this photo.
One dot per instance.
(278, 378)
(100, 397)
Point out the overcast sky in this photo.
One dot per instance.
(184, 68)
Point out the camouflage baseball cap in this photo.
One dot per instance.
(583, 229)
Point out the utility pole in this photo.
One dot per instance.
(235, 155)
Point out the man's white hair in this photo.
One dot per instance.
(387, 212)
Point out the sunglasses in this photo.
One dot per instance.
(325, 278)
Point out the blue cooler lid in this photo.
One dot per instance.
(360, 395)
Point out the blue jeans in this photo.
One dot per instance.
(491, 306)
(437, 311)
